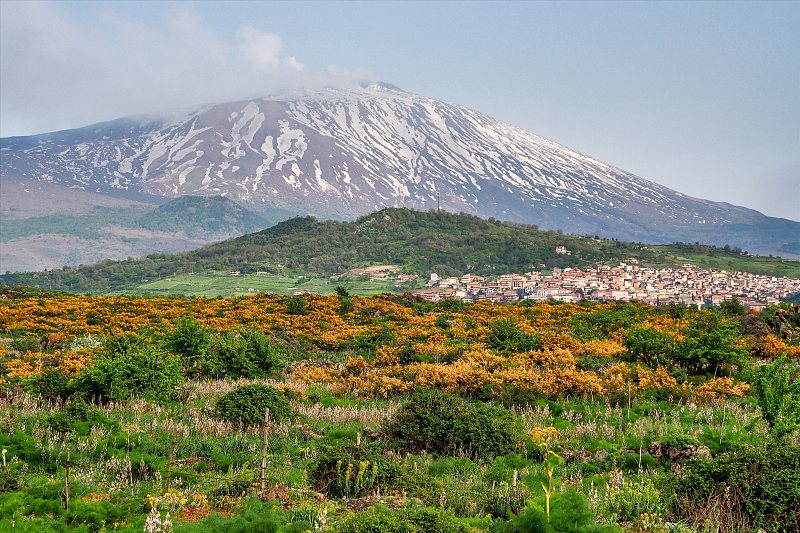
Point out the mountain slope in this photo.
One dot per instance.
(344, 153)
(85, 236)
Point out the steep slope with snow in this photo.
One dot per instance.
(343, 153)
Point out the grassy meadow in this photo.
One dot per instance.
(766, 266)
(222, 284)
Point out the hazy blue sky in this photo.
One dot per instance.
(701, 97)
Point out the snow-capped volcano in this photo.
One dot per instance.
(346, 152)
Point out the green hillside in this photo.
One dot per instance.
(194, 216)
(416, 242)
(87, 226)
(207, 214)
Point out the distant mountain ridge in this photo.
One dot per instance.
(58, 238)
(346, 152)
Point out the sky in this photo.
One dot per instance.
(703, 97)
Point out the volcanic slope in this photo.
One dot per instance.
(342, 153)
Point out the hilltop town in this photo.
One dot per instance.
(626, 281)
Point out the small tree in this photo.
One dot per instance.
(649, 345)
(144, 371)
(341, 291)
(190, 341)
(506, 335)
(710, 344)
(777, 387)
(732, 308)
(296, 305)
(247, 353)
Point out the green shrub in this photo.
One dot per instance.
(23, 446)
(255, 515)
(442, 322)
(10, 479)
(504, 466)
(650, 346)
(97, 515)
(625, 500)
(246, 353)
(248, 403)
(43, 499)
(777, 387)
(74, 413)
(296, 305)
(711, 344)
(569, 513)
(433, 520)
(26, 344)
(762, 484)
(346, 305)
(438, 422)
(506, 335)
(353, 471)
(51, 385)
(189, 341)
(138, 369)
(123, 344)
(379, 519)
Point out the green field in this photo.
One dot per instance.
(767, 266)
(223, 284)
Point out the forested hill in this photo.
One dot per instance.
(415, 241)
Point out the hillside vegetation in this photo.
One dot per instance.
(391, 415)
(417, 242)
(208, 214)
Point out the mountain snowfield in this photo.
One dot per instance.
(346, 152)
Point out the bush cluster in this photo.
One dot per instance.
(247, 353)
(762, 484)
(379, 519)
(433, 421)
(248, 403)
(127, 369)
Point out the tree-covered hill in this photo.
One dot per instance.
(212, 214)
(415, 241)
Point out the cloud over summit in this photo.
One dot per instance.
(59, 69)
(263, 49)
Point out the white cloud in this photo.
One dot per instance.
(58, 71)
(263, 49)
(292, 62)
